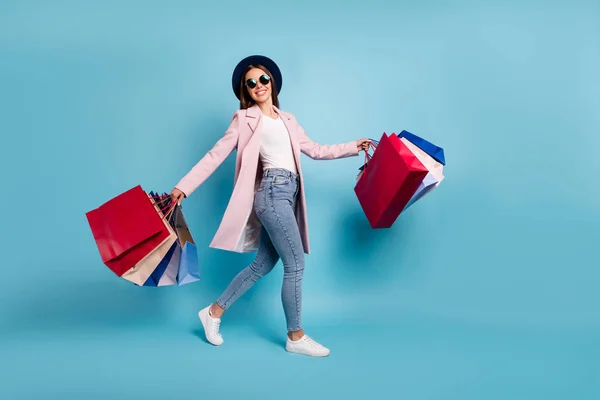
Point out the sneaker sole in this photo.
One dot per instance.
(289, 350)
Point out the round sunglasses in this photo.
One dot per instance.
(263, 79)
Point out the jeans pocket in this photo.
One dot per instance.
(280, 180)
(260, 200)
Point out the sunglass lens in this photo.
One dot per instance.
(264, 79)
(251, 83)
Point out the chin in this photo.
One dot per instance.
(262, 99)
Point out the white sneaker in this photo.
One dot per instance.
(305, 345)
(211, 326)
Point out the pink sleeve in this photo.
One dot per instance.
(211, 161)
(325, 152)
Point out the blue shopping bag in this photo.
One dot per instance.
(189, 269)
(436, 152)
(157, 274)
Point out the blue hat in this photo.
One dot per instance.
(253, 60)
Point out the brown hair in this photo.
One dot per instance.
(246, 101)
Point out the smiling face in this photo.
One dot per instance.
(259, 85)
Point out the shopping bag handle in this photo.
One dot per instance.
(170, 214)
(367, 155)
(163, 200)
(373, 145)
(167, 210)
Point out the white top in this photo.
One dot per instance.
(276, 146)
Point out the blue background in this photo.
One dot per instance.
(485, 289)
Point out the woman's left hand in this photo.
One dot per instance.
(363, 144)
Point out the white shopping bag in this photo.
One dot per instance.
(432, 179)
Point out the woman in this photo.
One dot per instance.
(267, 211)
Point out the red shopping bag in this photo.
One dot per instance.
(126, 229)
(388, 181)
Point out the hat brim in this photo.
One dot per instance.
(254, 60)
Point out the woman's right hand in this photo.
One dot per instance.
(177, 196)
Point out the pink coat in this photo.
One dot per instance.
(240, 228)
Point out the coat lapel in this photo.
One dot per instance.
(253, 117)
(287, 121)
(252, 136)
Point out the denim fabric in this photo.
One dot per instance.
(274, 205)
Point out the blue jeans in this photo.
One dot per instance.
(274, 205)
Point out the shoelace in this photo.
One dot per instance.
(215, 327)
(311, 342)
